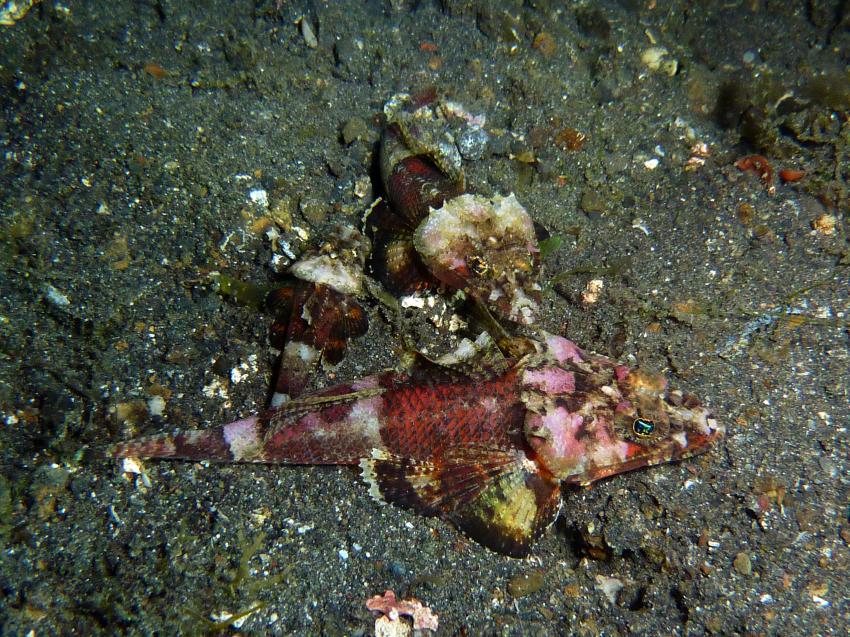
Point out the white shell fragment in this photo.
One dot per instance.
(656, 59)
(308, 34)
(156, 405)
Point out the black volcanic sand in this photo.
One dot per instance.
(133, 134)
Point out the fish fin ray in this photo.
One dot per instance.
(313, 402)
(478, 360)
(496, 496)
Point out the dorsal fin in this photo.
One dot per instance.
(477, 360)
(307, 404)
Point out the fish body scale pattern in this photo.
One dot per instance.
(422, 421)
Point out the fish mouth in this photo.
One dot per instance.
(716, 428)
(698, 425)
(697, 442)
(693, 430)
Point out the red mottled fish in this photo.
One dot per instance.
(474, 439)
(318, 312)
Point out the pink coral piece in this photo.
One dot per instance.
(423, 618)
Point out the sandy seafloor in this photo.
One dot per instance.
(132, 136)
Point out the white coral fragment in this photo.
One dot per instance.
(609, 586)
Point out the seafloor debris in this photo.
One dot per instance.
(790, 175)
(393, 610)
(825, 224)
(609, 586)
(656, 59)
(737, 343)
(528, 583)
(13, 10)
(760, 166)
(699, 153)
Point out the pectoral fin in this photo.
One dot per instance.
(498, 497)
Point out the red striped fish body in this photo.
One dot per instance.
(487, 450)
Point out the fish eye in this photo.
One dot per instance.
(643, 428)
(477, 265)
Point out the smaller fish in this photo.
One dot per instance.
(317, 312)
(473, 438)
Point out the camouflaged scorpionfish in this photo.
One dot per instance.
(477, 439)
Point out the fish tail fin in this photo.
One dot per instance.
(239, 441)
(333, 427)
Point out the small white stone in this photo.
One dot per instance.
(156, 405)
(279, 263)
(343, 554)
(236, 375)
(592, 290)
(309, 35)
(363, 187)
(215, 389)
(259, 197)
(272, 234)
(610, 587)
(640, 224)
(414, 300)
(56, 297)
(131, 465)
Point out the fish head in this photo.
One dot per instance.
(589, 417)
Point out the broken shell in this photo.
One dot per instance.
(651, 57)
(825, 224)
(655, 58)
